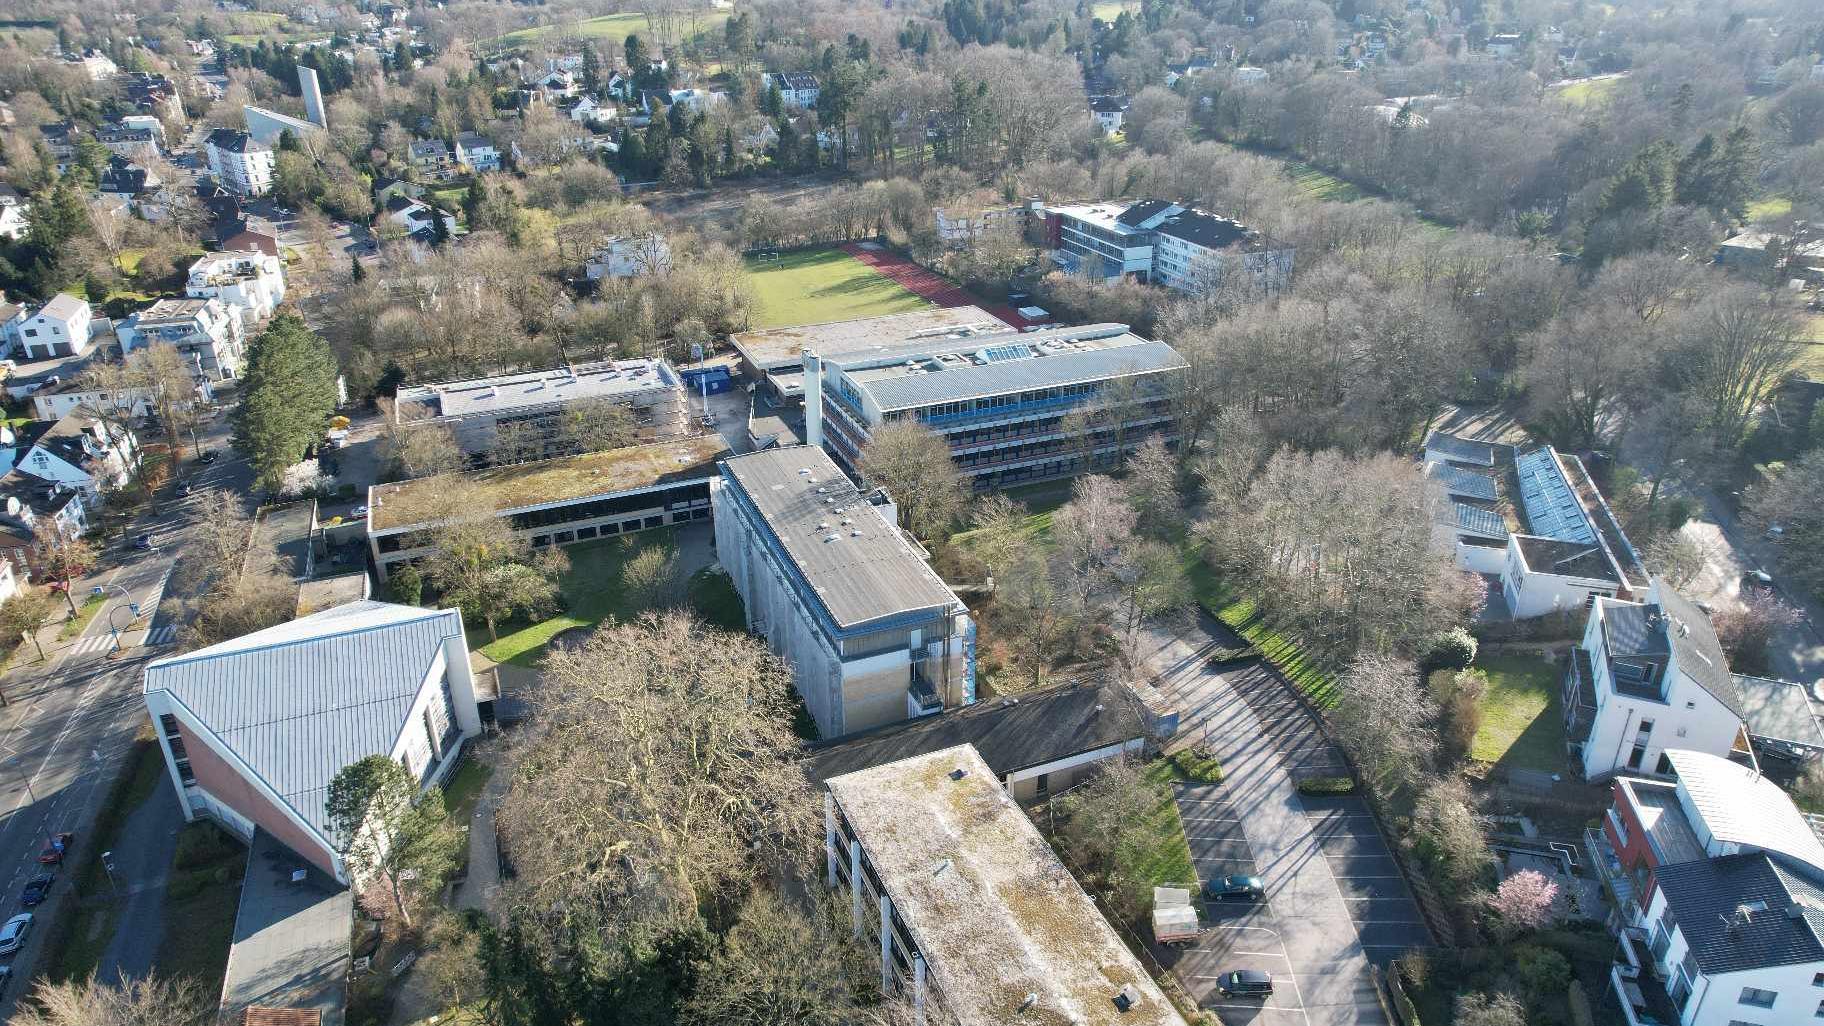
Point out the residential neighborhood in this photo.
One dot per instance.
(794, 513)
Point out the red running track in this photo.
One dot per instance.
(926, 283)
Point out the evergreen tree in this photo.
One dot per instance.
(772, 104)
(637, 55)
(440, 227)
(288, 392)
(356, 273)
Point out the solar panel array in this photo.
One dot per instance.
(1001, 354)
(1552, 509)
(1481, 521)
(1459, 481)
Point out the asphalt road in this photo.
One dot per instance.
(70, 721)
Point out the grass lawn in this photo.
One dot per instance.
(1769, 208)
(1322, 184)
(1811, 361)
(606, 30)
(1167, 862)
(818, 285)
(79, 938)
(1239, 614)
(1522, 723)
(450, 198)
(84, 613)
(200, 906)
(1582, 94)
(463, 790)
(592, 593)
(714, 597)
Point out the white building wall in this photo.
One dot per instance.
(1691, 718)
(1717, 1000)
(1481, 559)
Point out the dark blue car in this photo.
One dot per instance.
(37, 889)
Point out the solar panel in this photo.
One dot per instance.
(1001, 354)
(1458, 481)
(1480, 521)
(1552, 509)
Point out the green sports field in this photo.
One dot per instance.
(818, 285)
(607, 30)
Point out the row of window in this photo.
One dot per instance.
(624, 527)
(180, 757)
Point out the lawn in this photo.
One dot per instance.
(1322, 184)
(713, 596)
(78, 939)
(818, 285)
(1769, 208)
(1167, 862)
(463, 791)
(592, 593)
(75, 625)
(201, 902)
(606, 30)
(1582, 94)
(1241, 616)
(1110, 11)
(1522, 722)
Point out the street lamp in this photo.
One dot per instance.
(132, 608)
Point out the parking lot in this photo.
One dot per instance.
(1381, 906)
(1287, 723)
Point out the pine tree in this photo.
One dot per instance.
(356, 273)
(289, 391)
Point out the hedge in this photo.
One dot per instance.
(1322, 786)
(1199, 765)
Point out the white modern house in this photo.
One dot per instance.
(1163, 243)
(417, 217)
(1110, 112)
(1648, 677)
(799, 91)
(252, 281)
(873, 635)
(477, 153)
(14, 214)
(208, 332)
(253, 730)
(78, 450)
(241, 163)
(629, 256)
(62, 327)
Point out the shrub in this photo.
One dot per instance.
(1220, 656)
(1322, 786)
(1199, 765)
(1542, 971)
(1454, 649)
(202, 844)
(1579, 1002)
(1677, 512)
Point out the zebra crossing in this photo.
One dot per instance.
(165, 635)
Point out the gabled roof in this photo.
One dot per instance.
(1694, 645)
(1734, 911)
(63, 307)
(1742, 807)
(300, 701)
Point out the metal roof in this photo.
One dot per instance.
(508, 393)
(1663, 818)
(1778, 710)
(1476, 520)
(1695, 647)
(1734, 911)
(909, 391)
(853, 559)
(1463, 450)
(300, 701)
(1462, 481)
(1739, 806)
(1551, 504)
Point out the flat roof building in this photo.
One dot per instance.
(873, 635)
(649, 389)
(558, 501)
(1002, 402)
(972, 912)
(774, 357)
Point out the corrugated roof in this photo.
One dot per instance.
(853, 559)
(1733, 911)
(1463, 481)
(1479, 521)
(300, 701)
(915, 390)
(1739, 806)
(1463, 450)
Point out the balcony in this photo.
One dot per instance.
(922, 698)
(1609, 870)
(1579, 697)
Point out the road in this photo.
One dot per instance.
(70, 720)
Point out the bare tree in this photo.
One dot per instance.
(180, 1001)
(1497, 1009)
(652, 579)
(1152, 485)
(778, 966)
(424, 450)
(1746, 630)
(1382, 718)
(482, 566)
(1737, 348)
(1791, 503)
(61, 556)
(692, 726)
(28, 612)
(1449, 834)
(1676, 558)
(913, 464)
(997, 530)
(516, 442)
(598, 424)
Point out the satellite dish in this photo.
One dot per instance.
(12, 506)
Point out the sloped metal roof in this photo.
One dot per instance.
(1463, 481)
(1552, 507)
(300, 701)
(1479, 521)
(914, 390)
(1742, 807)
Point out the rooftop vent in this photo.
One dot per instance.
(1126, 998)
(958, 774)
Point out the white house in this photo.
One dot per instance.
(79, 451)
(477, 153)
(25, 503)
(12, 318)
(629, 257)
(558, 85)
(208, 332)
(242, 164)
(432, 160)
(252, 281)
(14, 211)
(61, 327)
(797, 90)
(1194, 251)
(1110, 112)
(588, 112)
(254, 730)
(416, 217)
(696, 100)
(1649, 676)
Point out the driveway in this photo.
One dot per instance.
(1324, 918)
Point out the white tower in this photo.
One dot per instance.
(313, 96)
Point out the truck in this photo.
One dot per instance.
(1174, 917)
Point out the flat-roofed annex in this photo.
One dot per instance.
(413, 504)
(777, 348)
(506, 393)
(995, 914)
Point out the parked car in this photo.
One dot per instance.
(1235, 888)
(145, 543)
(1246, 983)
(37, 889)
(209, 456)
(58, 847)
(358, 511)
(12, 935)
(1757, 579)
(184, 489)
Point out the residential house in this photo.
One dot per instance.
(1800, 255)
(1110, 112)
(476, 153)
(1044, 743)
(93, 63)
(1718, 882)
(386, 188)
(872, 634)
(268, 127)
(967, 904)
(25, 503)
(126, 181)
(417, 218)
(61, 327)
(60, 138)
(1249, 75)
(240, 163)
(155, 96)
(650, 390)
(223, 208)
(54, 402)
(558, 85)
(557, 501)
(15, 214)
(798, 91)
(697, 101)
(79, 451)
(254, 730)
(629, 257)
(133, 142)
(245, 241)
(431, 159)
(208, 332)
(961, 225)
(586, 111)
(1193, 68)
(12, 318)
(251, 280)
(1505, 44)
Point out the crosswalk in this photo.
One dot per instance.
(104, 642)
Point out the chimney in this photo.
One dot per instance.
(813, 399)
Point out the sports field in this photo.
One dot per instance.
(817, 285)
(607, 30)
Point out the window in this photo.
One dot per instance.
(1817, 979)
(1757, 997)
(1820, 1012)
